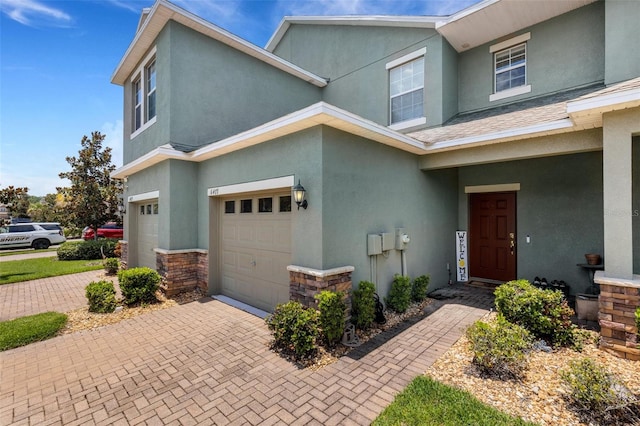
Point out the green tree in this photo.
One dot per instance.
(92, 198)
(50, 208)
(17, 199)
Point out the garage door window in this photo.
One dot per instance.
(141, 210)
(230, 207)
(265, 205)
(155, 208)
(245, 206)
(285, 203)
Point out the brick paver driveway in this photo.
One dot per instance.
(208, 363)
(60, 294)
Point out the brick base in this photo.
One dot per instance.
(124, 253)
(617, 306)
(305, 283)
(183, 270)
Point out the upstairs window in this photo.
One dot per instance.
(510, 67)
(143, 94)
(151, 90)
(407, 91)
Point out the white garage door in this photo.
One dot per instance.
(147, 233)
(255, 248)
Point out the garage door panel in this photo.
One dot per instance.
(147, 236)
(260, 245)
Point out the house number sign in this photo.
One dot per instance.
(462, 270)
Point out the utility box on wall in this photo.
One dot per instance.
(374, 244)
(388, 242)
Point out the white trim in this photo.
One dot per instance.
(510, 92)
(140, 75)
(408, 123)
(320, 273)
(152, 195)
(503, 187)
(163, 11)
(144, 127)
(509, 43)
(317, 114)
(258, 185)
(406, 58)
(603, 101)
(553, 127)
(370, 20)
(182, 251)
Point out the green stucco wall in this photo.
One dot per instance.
(370, 188)
(354, 59)
(559, 206)
(563, 52)
(622, 39)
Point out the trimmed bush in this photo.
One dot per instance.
(419, 288)
(111, 265)
(138, 285)
(545, 313)
(294, 328)
(363, 305)
(598, 396)
(101, 296)
(86, 250)
(499, 348)
(399, 296)
(332, 315)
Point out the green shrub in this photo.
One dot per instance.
(591, 386)
(545, 313)
(332, 315)
(499, 348)
(111, 265)
(86, 250)
(419, 288)
(33, 328)
(101, 296)
(138, 285)
(363, 305)
(294, 328)
(399, 296)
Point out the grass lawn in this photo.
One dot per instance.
(25, 330)
(29, 251)
(428, 402)
(31, 269)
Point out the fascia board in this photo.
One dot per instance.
(121, 73)
(465, 12)
(606, 102)
(353, 20)
(151, 158)
(557, 126)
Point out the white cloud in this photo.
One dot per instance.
(32, 12)
(113, 139)
(124, 4)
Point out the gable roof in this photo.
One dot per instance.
(162, 11)
(320, 113)
(351, 20)
(471, 27)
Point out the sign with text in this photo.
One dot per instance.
(462, 271)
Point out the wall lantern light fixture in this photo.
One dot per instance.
(298, 196)
(121, 207)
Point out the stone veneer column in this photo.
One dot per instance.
(305, 283)
(183, 270)
(617, 305)
(124, 253)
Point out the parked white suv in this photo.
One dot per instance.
(36, 235)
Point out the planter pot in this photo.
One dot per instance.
(592, 259)
(587, 307)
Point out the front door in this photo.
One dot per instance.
(492, 233)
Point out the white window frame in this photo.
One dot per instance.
(150, 91)
(501, 47)
(141, 75)
(410, 57)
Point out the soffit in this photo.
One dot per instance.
(163, 11)
(492, 19)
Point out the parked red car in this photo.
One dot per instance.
(108, 230)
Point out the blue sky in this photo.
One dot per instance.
(57, 57)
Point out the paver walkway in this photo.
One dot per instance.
(60, 294)
(208, 363)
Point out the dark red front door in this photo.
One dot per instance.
(492, 235)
